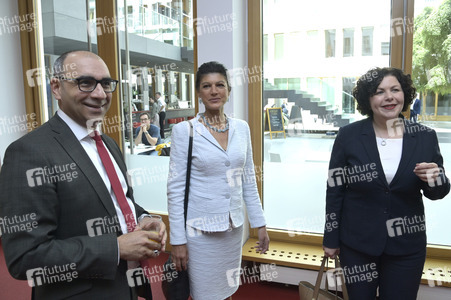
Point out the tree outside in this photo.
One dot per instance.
(431, 70)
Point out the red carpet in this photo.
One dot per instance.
(19, 290)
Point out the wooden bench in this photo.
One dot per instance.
(436, 272)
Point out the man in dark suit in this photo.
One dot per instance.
(64, 226)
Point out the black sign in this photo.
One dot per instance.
(275, 118)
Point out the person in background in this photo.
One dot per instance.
(161, 113)
(65, 183)
(222, 177)
(147, 134)
(154, 109)
(284, 107)
(416, 110)
(379, 170)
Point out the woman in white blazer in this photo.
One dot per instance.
(222, 176)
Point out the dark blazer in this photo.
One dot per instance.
(61, 208)
(366, 213)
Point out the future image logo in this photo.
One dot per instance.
(239, 276)
(407, 225)
(334, 277)
(395, 127)
(233, 276)
(352, 174)
(106, 225)
(436, 177)
(234, 177)
(136, 277)
(34, 76)
(94, 124)
(215, 24)
(49, 275)
(352, 274)
(18, 223)
(336, 177)
(57, 173)
(35, 177)
(100, 26)
(157, 273)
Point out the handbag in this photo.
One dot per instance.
(178, 287)
(308, 291)
(164, 149)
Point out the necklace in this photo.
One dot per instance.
(214, 128)
(383, 142)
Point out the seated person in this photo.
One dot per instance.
(147, 134)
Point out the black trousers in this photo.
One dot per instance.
(162, 115)
(397, 276)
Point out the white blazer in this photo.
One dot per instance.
(220, 180)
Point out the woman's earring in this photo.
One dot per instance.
(200, 101)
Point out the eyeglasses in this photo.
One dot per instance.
(144, 119)
(89, 84)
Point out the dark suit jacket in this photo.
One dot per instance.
(62, 208)
(366, 213)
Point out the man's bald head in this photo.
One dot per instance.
(60, 69)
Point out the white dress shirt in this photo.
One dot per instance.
(90, 147)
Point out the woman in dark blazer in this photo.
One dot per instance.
(379, 169)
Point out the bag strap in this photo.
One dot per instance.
(188, 170)
(343, 286)
(319, 278)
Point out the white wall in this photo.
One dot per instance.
(222, 37)
(12, 105)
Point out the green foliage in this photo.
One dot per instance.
(431, 60)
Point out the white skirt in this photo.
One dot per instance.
(213, 260)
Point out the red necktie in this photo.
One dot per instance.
(118, 191)
(115, 183)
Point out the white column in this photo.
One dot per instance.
(222, 37)
(145, 87)
(11, 82)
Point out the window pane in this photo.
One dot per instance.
(431, 74)
(330, 43)
(367, 41)
(279, 46)
(317, 84)
(348, 42)
(166, 26)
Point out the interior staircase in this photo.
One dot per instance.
(308, 102)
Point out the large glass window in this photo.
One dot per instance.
(160, 58)
(296, 167)
(317, 86)
(431, 73)
(167, 27)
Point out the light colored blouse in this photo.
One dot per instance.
(390, 156)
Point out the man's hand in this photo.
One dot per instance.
(138, 245)
(155, 224)
(144, 127)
